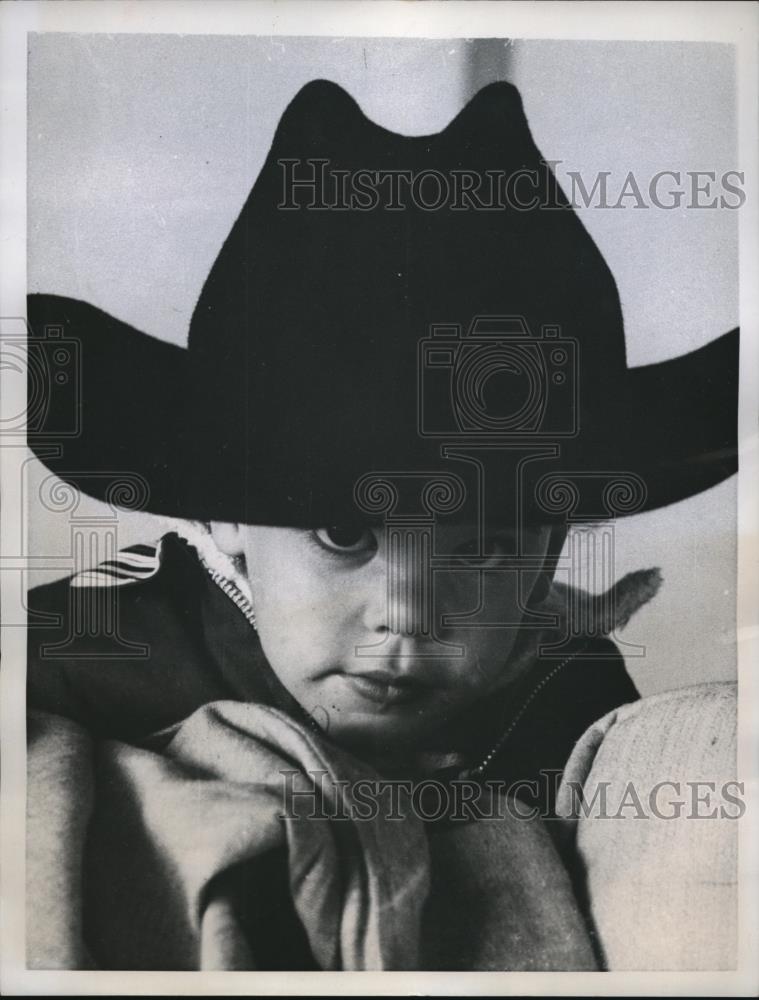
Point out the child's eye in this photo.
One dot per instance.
(346, 538)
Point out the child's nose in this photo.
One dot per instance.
(401, 586)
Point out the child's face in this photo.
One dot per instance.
(319, 596)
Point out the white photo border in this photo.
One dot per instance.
(735, 23)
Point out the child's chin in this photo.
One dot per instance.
(377, 734)
(357, 716)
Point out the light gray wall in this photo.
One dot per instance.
(142, 150)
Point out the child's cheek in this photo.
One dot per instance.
(301, 632)
(491, 596)
(486, 601)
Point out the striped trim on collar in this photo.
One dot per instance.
(141, 561)
(131, 564)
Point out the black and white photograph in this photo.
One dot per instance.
(377, 568)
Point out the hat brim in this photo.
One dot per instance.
(117, 428)
(673, 424)
(112, 427)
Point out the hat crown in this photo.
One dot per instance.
(315, 308)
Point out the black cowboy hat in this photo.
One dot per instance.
(345, 340)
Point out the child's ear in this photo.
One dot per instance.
(228, 536)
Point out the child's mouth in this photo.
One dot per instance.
(385, 689)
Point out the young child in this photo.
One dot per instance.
(366, 494)
(288, 630)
